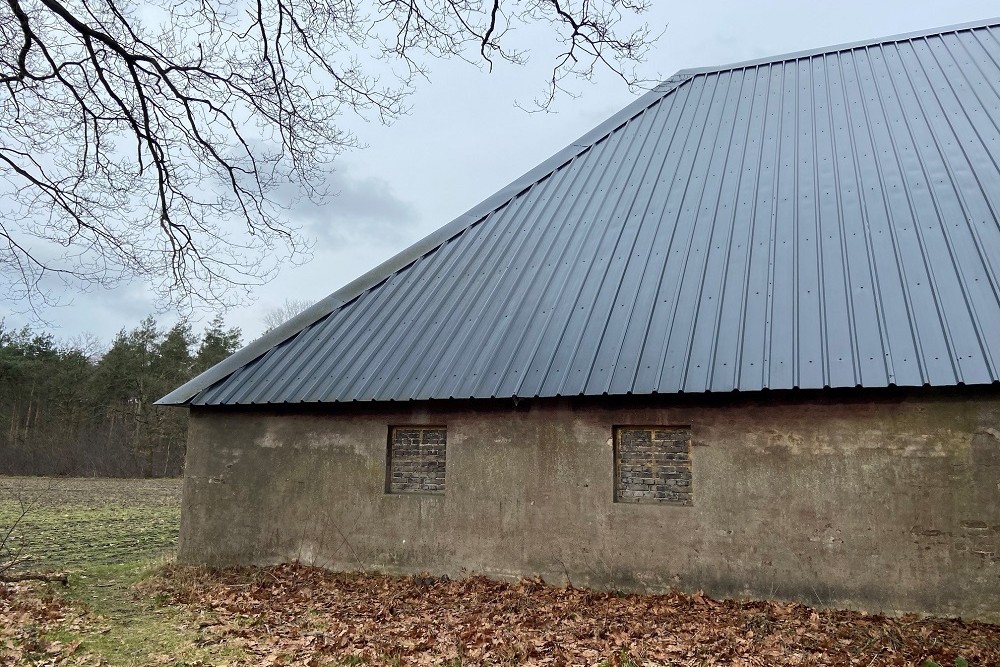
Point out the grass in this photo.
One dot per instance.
(77, 524)
(107, 534)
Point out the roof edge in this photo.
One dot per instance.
(352, 290)
(846, 46)
(187, 391)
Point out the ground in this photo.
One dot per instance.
(127, 604)
(79, 523)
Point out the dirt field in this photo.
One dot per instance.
(76, 523)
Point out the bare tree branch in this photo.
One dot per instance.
(147, 140)
(10, 557)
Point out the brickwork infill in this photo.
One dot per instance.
(416, 460)
(653, 465)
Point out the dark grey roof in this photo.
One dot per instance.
(822, 219)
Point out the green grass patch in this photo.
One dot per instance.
(108, 534)
(132, 628)
(76, 524)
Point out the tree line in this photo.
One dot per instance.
(68, 410)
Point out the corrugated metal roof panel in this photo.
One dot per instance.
(825, 220)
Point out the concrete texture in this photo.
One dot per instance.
(879, 500)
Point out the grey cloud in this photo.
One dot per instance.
(356, 209)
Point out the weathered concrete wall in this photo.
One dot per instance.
(883, 501)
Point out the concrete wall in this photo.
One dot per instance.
(886, 501)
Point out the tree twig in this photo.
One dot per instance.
(60, 577)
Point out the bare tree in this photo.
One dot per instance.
(286, 311)
(147, 140)
(11, 547)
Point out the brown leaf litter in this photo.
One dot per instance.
(26, 618)
(296, 615)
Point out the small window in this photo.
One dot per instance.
(416, 459)
(653, 465)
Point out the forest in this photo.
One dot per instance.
(86, 409)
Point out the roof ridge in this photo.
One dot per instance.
(372, 278)
(846, 46)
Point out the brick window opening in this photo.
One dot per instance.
(653, 465)
(416, 459)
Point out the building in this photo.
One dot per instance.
(742, 337)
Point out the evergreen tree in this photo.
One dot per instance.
(172, 365)
(217, 343)
(67, 411)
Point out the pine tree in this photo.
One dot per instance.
(217, 343)
(64, 410)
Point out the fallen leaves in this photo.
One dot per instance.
(295, 615)
(292, 614)
(26, 619)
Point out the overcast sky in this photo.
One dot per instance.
(465, 139)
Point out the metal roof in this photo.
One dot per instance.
(823, 219)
